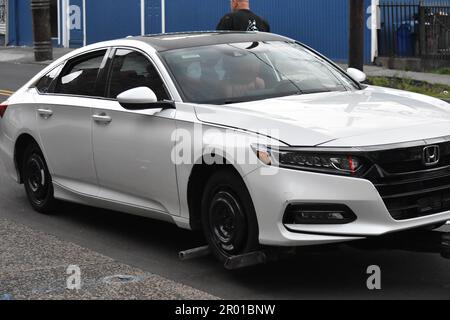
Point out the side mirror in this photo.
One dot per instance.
(142, 98)
(356, 74)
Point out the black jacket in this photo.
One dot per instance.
(243, 20)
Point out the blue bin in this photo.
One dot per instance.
(405, 40)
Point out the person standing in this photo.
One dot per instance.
(242, 19)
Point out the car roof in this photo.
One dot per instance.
(172, 41)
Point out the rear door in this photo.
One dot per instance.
(132, 149)
(65, 124)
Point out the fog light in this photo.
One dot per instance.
(302, 217)
(318, 214)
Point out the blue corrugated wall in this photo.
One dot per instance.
(112, 19)
(76, 35)
(19, 24)
(321, 24)
(182, 15)
(153, 16)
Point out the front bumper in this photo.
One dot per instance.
(271, 195)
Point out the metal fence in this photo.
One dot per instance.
(415, 29)
(2, 11)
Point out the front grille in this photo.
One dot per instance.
(416, 197)
(409, 159)
(407, 186)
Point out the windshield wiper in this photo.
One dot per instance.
(235, 101)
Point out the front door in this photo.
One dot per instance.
(132, 149)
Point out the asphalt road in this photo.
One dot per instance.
(153, 246)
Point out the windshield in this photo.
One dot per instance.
(239, 72)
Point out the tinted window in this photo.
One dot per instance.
(130, 70)
(47, 83)
(80, 76)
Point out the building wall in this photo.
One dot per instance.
(322, 24)
(112, 19)
(19, 23)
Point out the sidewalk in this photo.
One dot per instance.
(374, 71)
(33, 265)
(25, 55)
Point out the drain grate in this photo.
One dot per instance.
(121, 279)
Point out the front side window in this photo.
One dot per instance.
(131, 69)
(79, 77)
(235, 72)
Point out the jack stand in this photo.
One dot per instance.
(241, 261)
(246, 260)
(194, 253)
(258, 257)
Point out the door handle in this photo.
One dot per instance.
(102, 118)
(45, 113)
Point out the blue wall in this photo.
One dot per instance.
(153, 16)
(112, 19)
(182, 15)
(77, 35)
(19, 24)
(321, 24)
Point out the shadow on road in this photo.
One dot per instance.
(337, 272)
(331, 272)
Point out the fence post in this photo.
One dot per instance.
(356, 34)
(422, 30)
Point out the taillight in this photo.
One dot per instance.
(3, 109)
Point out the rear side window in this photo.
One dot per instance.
(79, 77)
(131, 69)
(47, 82)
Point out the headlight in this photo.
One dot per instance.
(322, 160)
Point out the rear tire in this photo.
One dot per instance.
(228, 216)
(37, 180)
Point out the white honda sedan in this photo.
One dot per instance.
(254, 138)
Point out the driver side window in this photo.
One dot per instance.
(131, 69)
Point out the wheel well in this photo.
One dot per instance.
(19, 151)
(196, 186)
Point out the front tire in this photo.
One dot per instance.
(228, 216)
(37, 180)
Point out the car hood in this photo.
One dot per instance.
(373, 116)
